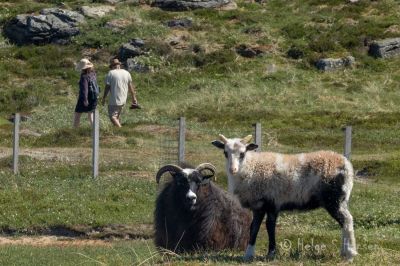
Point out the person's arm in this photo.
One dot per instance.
(85, 90)
(106, 90)
(133, 93)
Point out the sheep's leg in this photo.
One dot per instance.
(271, 224)
(342, 215)
(258, 217)
(348, 239)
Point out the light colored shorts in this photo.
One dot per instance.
(114, 111)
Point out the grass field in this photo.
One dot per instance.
(48, 194)
(218, 91)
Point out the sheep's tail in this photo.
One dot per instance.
(348, 180)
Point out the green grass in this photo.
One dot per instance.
(46, 195)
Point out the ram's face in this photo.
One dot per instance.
(188, 182)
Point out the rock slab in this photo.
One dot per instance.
(249, 51)
(52, 25)
(96, 11)
(132, 65)
(132, 49)
(385, 48)
(182, 5)
(330, 64)
(179, 23)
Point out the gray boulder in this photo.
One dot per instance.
(52, 25)
(113, 2)
(96, 11)
(385, 48)
(132, 49)
(132, 65)
(330, 64)
(179, 23)
(249, 51)
(182, 5)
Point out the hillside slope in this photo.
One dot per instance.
(203, 70)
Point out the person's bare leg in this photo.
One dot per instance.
(90, 116)
(115, 121)
(77, 119)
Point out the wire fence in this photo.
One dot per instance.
(191, 141)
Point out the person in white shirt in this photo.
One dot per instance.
(118, 82)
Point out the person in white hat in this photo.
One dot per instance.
(118, 83)
(87, 98)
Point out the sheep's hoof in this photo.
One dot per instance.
(248, 258)
(271, 255)
(349, 254)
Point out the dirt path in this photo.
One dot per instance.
(44, 241)
(79, 235)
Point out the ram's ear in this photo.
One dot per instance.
(218, 144)
(251, 147)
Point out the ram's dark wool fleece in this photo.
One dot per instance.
(194, 214)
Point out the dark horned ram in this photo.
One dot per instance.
(194, 214)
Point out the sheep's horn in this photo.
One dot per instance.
(167, 168)
(246, 139)
(223, 138)
(207, 166)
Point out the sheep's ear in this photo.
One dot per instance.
(218, 144)
(251, 147)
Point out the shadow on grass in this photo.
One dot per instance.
(231, 258)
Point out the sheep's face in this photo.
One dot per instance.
(235, 152)
(188, 182)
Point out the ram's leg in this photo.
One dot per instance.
(258, 217)
(271, 224)
(342, 215)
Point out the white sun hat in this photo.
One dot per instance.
(83, 64)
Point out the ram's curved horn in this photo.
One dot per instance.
(223, 138)
(246, 139)
(167, 168)
(207, 166)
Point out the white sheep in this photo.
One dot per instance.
(268, 183)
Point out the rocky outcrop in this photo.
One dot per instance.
(250, 51)
(179, 23)
(132, 49)
(385, 48)
(330, 64)
(117, 25)
(295, 53)
(52, 25)
(96, 11)
(133, 65)
(182, 5)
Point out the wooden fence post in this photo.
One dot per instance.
(95, 143)
(257, 135)
(17, 119)
(347, 142)
(181, 140)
